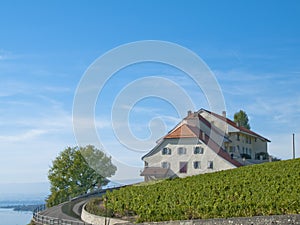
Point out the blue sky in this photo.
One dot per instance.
(253, 48)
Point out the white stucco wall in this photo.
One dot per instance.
(174, 159)
(260, 146)
(255, 146)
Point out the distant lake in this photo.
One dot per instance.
(11, 217)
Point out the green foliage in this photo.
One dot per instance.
(274, 158)
(97, 207)
(31, 223)
(242, 119)
(262, 155)
(246, 156)
(77, 171)
(265, 189)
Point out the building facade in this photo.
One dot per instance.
(203, 142)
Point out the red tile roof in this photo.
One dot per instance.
(183, 131)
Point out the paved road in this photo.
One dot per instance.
(56, 212)
(76, 204)
(78, 207)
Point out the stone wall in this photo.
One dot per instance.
(256, 220)
(98, 220)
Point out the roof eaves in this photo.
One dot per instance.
(153, 150)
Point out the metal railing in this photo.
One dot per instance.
(97, 192)
(47, 220)
(40, 219)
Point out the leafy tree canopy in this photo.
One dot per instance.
(77, 171)
(241, 118)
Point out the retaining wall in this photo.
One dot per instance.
(99, 220)
(256, 220)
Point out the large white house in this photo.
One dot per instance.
(204, 142)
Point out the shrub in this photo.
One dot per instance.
(96, 206)
(246, 156)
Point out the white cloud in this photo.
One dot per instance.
(283, 109)
(28, 136)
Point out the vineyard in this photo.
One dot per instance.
(265, 189)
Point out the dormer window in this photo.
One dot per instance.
(166, 151)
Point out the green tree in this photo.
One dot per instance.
(241, 118)
(77, 171)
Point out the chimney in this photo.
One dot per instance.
(189, 113)
(224, 114)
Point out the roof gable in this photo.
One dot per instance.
(183, 131)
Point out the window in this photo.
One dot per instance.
(210, 165)
(197, 165)
(183, 167)
(255, 139)
(238, 137)
(198, 150)
(238, 148)
(243, 150)
(166, 151)
(181, 151)
(232, 149)
(248, 140)
(146, 164)
(165, 165)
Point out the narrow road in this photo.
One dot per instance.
(77, 209)
(71, 210)
(56, 212)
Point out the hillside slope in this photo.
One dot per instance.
(265, 189)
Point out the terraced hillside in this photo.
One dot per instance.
(265, 189)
